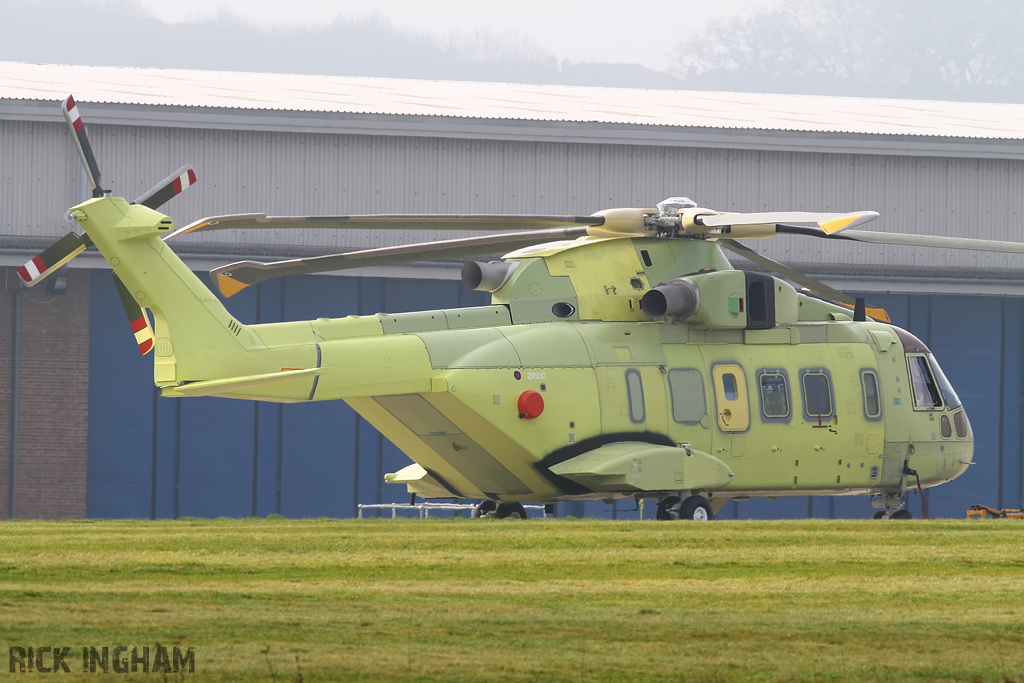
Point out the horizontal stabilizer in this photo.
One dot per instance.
(636, 466)
(217, 387)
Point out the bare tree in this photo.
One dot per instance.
(486, 45)
(944, 49)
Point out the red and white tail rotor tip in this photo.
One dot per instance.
(184, 181)
(72, 109)
(31, 271)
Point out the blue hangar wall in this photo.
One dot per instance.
(155, 457)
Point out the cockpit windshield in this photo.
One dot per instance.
(952, 400)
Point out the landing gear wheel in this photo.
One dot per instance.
(510, 511)
(901, 514)
(668, 508)
(484, 508)
(880, 514)
(697, 509)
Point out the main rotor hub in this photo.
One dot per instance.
(668, 220)
(672, 205)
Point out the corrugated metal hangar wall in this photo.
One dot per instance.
(320, 174)
(150, 456)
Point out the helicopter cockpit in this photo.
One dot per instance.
(931, 389)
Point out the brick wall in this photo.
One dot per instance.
(53, 415)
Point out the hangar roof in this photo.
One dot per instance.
(497, 110)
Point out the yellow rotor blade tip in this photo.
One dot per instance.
(836, 224)
(877, 314)
(229, 286)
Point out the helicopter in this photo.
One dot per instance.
(622, 356)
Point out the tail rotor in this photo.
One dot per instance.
(168, 188)
(72, 244)
(53, 257)
(137, 318)
(92, 169)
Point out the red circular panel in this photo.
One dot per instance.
(531, 404)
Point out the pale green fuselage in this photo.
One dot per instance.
(454, 410)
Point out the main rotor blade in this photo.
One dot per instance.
(168, 188)
(830, 223)
(491, 222)
(92, 169)
(812, 285)
(819, 288)
(53, 257)
(935, 241)
(235, 277)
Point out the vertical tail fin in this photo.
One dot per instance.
(195, 337)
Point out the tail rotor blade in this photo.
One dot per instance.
(56, 255)
(92, 169)
(168, 188)
(137, 318)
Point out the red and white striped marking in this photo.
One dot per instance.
(143, 335)
(72, 109)
(31, 271)
(184, 181)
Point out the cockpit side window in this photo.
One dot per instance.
(926, 389)
(869, 387)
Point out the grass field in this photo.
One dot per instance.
(541, 600)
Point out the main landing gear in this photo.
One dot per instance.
(890, 506)
(898, 514)
(696, 508)
(488, 508)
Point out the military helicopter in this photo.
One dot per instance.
(622, 356)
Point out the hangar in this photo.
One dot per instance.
(78, 410)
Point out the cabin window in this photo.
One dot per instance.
(774, 395)
(635, 395)
(817, 394)
(686, 386)
(729, 386)
(869, 385)
(731, 401)
(926, 390)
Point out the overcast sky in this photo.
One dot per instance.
(633, 31)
